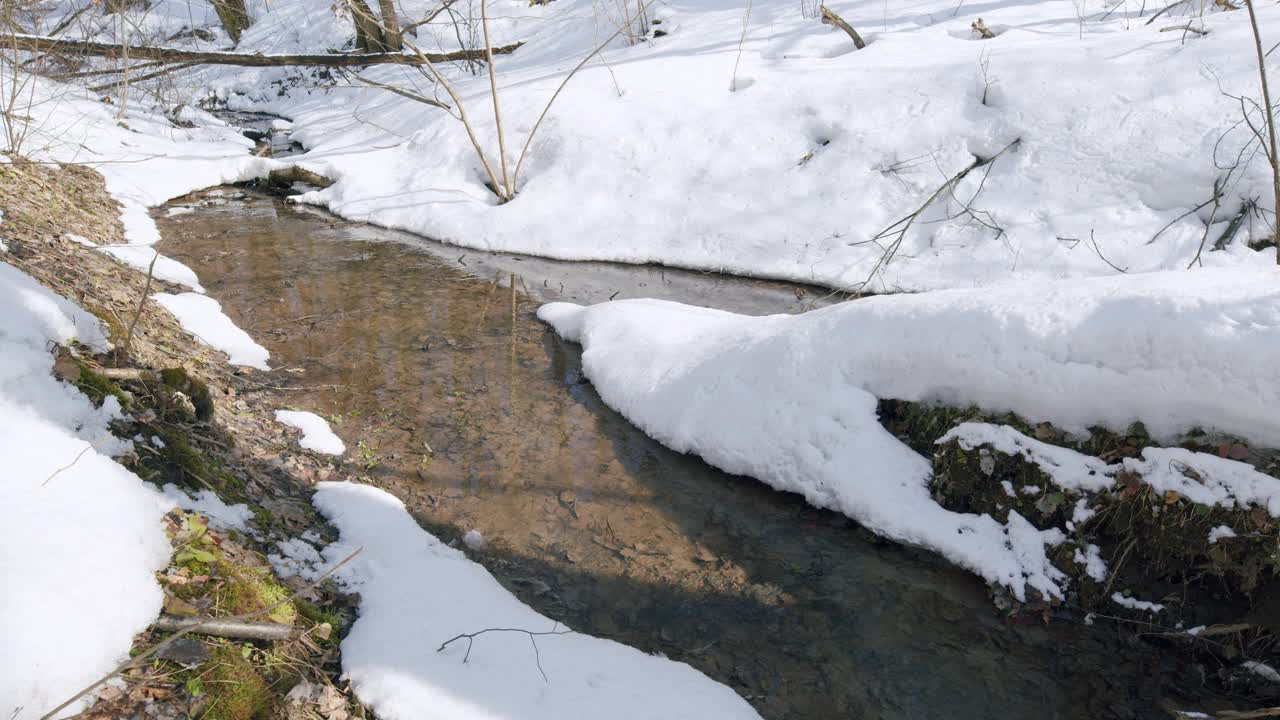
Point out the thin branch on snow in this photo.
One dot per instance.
(470, 638)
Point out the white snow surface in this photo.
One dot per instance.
(1094, 566)
(1135, 604)
(316, 434)
(791, 400)
(1207, 479)
(1220, 532)
(1066, 467)
(417, 593)
(791, 169)
(80, 536)
(202, 316)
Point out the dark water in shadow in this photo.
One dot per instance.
(451, 395)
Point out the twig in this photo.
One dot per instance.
(470, 638)
(515, 176)
(1274, 155)
(1166, 9)
(830, 18)
(507, 189)
(1098, 250)
(140, 657)
(142, 302)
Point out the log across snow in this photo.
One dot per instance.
(791, 400)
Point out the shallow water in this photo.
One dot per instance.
(450, 394)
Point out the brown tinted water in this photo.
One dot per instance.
(451, 395)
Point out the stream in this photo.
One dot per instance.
(450, 394)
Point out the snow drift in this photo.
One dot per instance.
(80, 536)
(417, 593)
(791, 400)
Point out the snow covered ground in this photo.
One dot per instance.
(80, 536)
(795, 168)
(791, 400)
(417, 593)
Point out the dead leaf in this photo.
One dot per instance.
(66, 369)
(177, 606)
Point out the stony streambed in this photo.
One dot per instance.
(428, 362)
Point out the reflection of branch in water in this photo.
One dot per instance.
(470, 638)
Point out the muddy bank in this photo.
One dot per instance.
(452, 396)
(200, 424)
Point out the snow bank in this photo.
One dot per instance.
(202, 316)
(820, 147)
(416, 593)
(316, 434)
(80, 536)
(791, 400)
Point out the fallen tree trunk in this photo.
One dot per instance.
(226, 628)
(43, 44)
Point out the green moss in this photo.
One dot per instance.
(178, 379)
(116, 331)
(98, 387)
(919, 425)
(182, 462)
(1168, 537)
(248, 589)
(319, 616)
(237, 691)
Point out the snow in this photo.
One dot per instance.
(205, 502)
(1067, 468)
(1207, 479)
(473, 539)
(296, 557)
(417, 593)
(80, 536)
(1220, 532)
(202, 316)
(1262, 670)
(791, 400)
(820, 147)
(1134, 604)
(1095, 566)
(316, 434)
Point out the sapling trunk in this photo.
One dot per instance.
(1271, 126)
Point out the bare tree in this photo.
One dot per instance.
(1269, 117)
(234, 16)
(391, 36)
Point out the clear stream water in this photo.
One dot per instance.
(451, 395)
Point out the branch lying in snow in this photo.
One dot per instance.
(136, 660)
(470, 637)
(898, 230)
(43, 44)
(830, 18)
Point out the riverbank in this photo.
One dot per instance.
(187, 421)
(247, 544)
(437, 376)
